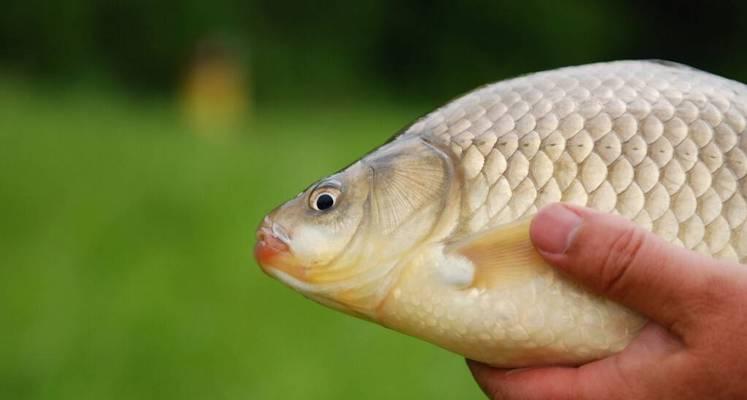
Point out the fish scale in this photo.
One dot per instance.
(659, 143)
(430, 236)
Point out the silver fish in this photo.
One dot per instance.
(428, 234)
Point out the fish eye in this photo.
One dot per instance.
(324, 199)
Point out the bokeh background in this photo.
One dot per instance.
(141, 142)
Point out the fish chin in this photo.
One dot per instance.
(354, 289)
(313, 292)
(289, 280)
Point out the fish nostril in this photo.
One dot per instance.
(265, 230)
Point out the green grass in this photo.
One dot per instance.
(126, 268)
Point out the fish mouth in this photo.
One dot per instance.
(272, 250)
(272, 242)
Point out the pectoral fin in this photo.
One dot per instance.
(500, 256)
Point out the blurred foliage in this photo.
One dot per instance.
(412, 48)
(126, 268)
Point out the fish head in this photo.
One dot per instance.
(340, 241)
(308, 232)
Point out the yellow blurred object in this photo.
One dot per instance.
(215, 95)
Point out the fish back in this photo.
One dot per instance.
(659, 143)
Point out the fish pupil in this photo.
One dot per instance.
(324, 202)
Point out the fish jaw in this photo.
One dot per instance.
(268, 247)
(340, 284)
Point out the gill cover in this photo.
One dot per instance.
(408, 177)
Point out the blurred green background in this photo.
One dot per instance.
(141, 142)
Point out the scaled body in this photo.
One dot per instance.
(437, 245)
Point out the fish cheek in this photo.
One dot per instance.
(324, 236)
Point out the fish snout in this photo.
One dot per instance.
(272, 242)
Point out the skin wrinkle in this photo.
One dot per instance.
(623, 254)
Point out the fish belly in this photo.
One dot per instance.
(540, 321)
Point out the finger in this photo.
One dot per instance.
(614, 257)
(558, 383)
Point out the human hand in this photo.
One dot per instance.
(695, 346)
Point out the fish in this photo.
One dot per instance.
(428, 234)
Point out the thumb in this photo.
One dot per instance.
(615, 258)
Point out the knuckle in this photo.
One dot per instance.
(713, 292)
(624, 254)
(717, 298)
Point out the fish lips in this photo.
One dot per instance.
(272, 251)
(269, 247)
